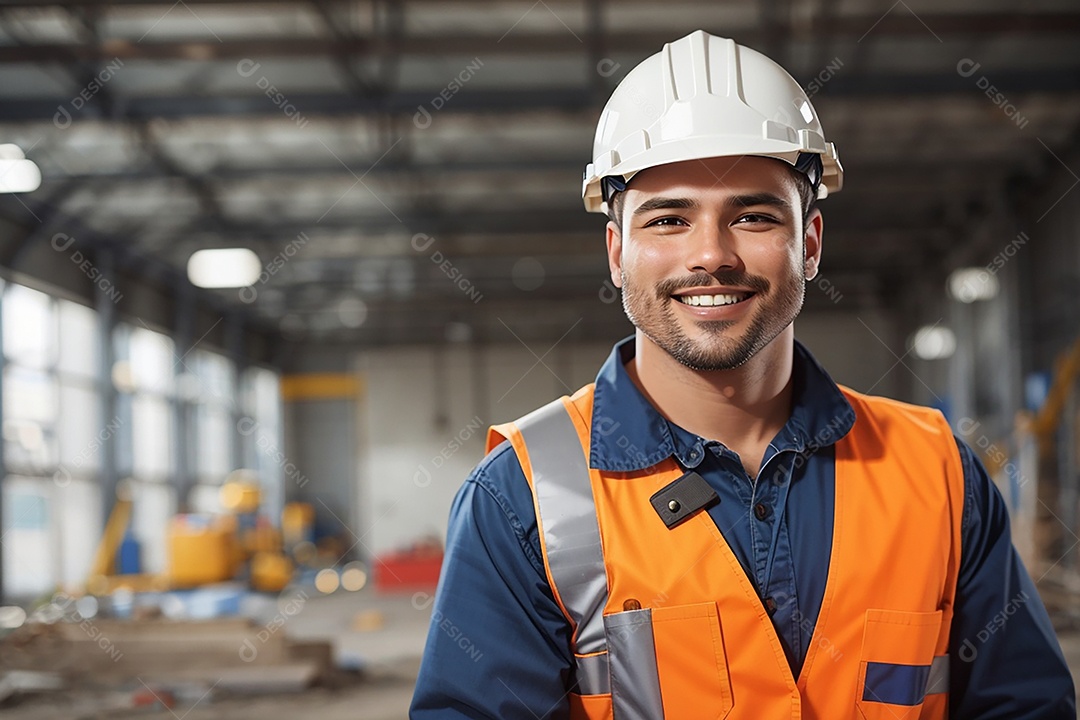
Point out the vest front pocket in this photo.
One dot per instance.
(897, 667)
(590, 707)
(668, 662)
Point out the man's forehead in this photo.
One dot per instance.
(718, 177)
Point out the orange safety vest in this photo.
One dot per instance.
(666, 624)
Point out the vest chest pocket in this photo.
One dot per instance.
(668, 662)
(897, 667)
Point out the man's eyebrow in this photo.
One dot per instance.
(736, 201)
(665, 203)
(762, 198)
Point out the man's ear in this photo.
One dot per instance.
(614, 252)
(813, 237)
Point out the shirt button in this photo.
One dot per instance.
(770, 606)
(761, 511)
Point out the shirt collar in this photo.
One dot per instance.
(629, 434)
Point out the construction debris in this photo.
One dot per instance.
(16, 682)
(231, 654)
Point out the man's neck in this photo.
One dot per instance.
(743, 408)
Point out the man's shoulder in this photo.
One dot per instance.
(501, 495)
(501, 470)
(500, 473)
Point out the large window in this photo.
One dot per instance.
(179, 414)
(30, 550)
(144, 375)
(53, 431)
(216, 434)
(261, 433)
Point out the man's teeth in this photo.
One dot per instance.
(707, 300)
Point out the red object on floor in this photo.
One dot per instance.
(157, 699)
(404, 571)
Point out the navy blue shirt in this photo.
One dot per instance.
(499, 646)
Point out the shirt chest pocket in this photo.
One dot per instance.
(668, 662)
(897, 666)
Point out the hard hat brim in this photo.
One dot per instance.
(699, 148)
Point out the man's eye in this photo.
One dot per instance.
(757, 218)
(669, 221)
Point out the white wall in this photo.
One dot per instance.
(423, 428)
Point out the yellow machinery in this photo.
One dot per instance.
(207, 549)
(1035, 442)
(202, 550)
(1046, 422)
(103, 579)
(270, 571)
(258, 543)
(241, 539)
(105, 556)
(297, 524)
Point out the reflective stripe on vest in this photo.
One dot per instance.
(636, 689)
(592, 674)
(938, 681)
(568, 518)
(617, 646)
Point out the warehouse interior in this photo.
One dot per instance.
(227, 497)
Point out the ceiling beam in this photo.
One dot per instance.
(300, 47)
(854, 27)
(920, 171)
(508, 100)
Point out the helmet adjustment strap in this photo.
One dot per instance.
(810, 165)
(611, 184)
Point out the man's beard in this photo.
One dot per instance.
(652, 314)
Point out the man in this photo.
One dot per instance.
(715, 528)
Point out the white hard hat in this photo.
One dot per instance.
(706, 96)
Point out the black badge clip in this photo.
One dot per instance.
(680, 499)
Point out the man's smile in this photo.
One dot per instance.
(712, 299)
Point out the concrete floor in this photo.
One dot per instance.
(384, 636)
(380, 636)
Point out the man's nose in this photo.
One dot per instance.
(710, 248)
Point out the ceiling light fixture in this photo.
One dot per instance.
(932, 342)
(224, 268)
(17, 174)
(973, 283)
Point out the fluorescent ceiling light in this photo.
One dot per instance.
(971, 284)
(932, 342)
(224, 268)
(17, 174)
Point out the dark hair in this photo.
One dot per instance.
(807, 198)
